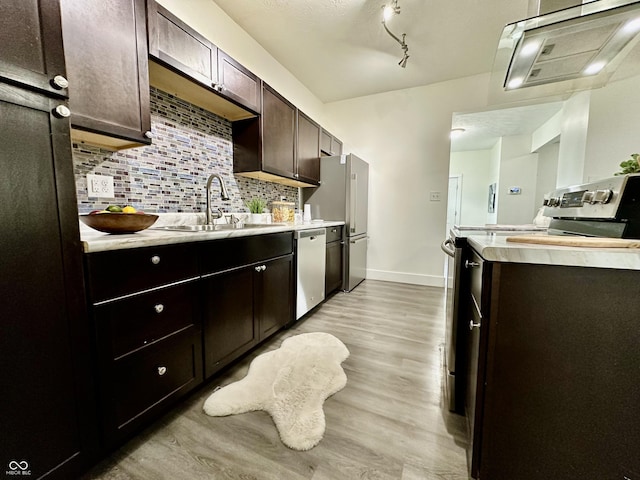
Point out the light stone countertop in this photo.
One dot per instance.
(497, 249)
(95, 241)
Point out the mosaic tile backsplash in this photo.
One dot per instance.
(170, 175)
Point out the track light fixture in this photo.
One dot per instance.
(389, 11)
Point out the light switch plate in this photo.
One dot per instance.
(100, 186)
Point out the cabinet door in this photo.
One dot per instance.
(31, 51)
(107, 66)
(336, 146)
(228, 316)
(278, 134)
(238, 83)
(175, 44)
(274, 295)
(325, 142)
(333, 274)
(308, 149)
(47, 402)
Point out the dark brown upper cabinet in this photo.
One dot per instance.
(178, 46)
(31, 53)
(308, 149)
(330, 145)
(269, 147)
(105, 47)
(187, 65)
(238, 83)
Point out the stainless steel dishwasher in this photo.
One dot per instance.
(310, 271)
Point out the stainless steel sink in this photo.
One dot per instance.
(213, 228)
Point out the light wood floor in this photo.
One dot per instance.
(387, 423)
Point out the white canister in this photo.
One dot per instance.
(307, 213)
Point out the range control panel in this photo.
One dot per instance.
(599, 200)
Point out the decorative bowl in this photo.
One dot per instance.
(119, 222)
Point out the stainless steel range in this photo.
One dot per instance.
(606, 208)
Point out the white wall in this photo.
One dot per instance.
(475, 167)
(518, 168)
(547, 170)
(573, 139)
(614, 128)
(404, 135)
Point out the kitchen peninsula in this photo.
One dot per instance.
(553, 361)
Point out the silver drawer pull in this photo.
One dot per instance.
(158, 308)
(468, 264)
(62, 111)
(155, 259)
(260, 268)
(473, 325)
(162, 370)
(59, 82)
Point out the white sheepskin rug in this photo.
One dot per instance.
(291, 384)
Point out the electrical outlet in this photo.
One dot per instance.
(100, 186)
(434, 196)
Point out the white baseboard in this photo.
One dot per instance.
(404, 277)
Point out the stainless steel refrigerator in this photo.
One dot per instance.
(343, 195)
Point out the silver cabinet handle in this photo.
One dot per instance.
(162, 370)
(148, 134)
(155, 259)
(62, 111)
(468, 264)
(473, 325)
(260, 268)
(158, 308)
(59, 82)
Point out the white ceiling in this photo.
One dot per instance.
(338, 48)
(483, 129)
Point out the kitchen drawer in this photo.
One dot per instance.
(220, 255)
(121, 272)
(334, 233)
(128, 324)
(149, 379)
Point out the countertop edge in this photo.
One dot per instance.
(94, 241)
(497, 249)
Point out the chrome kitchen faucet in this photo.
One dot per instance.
(223, 194)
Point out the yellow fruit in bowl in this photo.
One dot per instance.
(129, 209)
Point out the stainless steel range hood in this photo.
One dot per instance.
(567, 50)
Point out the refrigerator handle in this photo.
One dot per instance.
(353, 203)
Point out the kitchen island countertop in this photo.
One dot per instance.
(496, 249)
(94, 241)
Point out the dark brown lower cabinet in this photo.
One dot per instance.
(244, 306)
(229, 328)
(148, 333)
(559, 360)
(334, 259)
(47, 407)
